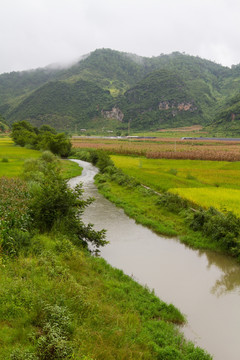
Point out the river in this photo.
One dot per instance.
(204, 285)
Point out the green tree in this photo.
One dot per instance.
(44, 138)
(55, 206)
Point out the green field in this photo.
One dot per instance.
(15, 156)
(207, 183)
(12, 158)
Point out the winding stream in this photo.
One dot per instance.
(203, 285)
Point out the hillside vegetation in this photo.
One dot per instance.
(148, 93)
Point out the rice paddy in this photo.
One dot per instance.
(206, 183)
(220, 198)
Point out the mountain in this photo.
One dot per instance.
(227, 119)
(62, 104)
(111, 89)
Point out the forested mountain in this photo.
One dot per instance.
(115, 88)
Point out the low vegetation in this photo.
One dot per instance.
(13, 157)
(57, 301)
(135, 184)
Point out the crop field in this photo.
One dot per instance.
(220, 198)
(168, 148)
(207, 183)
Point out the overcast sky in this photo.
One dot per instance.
(35, 33)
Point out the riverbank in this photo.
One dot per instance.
(59, 302)
(197, 282)
(166, 212)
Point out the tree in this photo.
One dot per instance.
(55, 206)
(44, 138)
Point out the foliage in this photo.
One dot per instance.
(172, 202)
(60, 304)
(224, 228)
(106, 78)
(84, 101)
(15, 219)
(44, 138)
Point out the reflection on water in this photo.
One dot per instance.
(203, 285)
(229, 280)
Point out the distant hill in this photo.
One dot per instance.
(227, 119)
(164, 98)
(3, 125)
(110, 89)
(62, 104)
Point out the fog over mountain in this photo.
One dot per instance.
(36, 33)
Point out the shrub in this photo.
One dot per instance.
(172, 202)
(55, 206)
(221, 227)
(173, 172)
(45, 138)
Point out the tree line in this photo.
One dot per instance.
(43, 138)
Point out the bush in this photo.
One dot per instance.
(221, 227)
(55, 206)
(44, 138)
(172, 202)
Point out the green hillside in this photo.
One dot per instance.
(150, 93)
(62, 104)
(112, 70)
(227, 120)
(164, 99)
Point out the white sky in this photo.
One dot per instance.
(35, 33)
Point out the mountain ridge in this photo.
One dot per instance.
(128, 82)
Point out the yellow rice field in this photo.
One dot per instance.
(220, 198)
(206, 183)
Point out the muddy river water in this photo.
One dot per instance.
(205, 286)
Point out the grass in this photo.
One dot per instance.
(70, 169)
(205, 183)
(16, 155)
(103, 313)
(58, 302)
(141, 204)
(12, 158)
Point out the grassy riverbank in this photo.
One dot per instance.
(56, 300)
(142, 205)
(147, 190)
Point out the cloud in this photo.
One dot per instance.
(36, 33)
